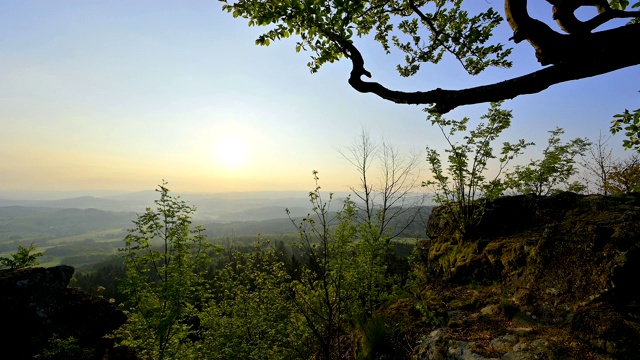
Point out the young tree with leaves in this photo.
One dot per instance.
(342, 279)
(554, 171)
(165, 257)
(322, 296)
(463, 186)
(624, 178)
(24, 257)
(389, 200)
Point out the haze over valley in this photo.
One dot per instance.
(82, 230)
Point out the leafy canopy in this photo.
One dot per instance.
(326, 28)
(624, 178)
(425, 31)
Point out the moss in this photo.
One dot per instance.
(445, 259)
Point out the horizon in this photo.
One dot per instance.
(47, 195)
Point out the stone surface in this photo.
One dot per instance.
(565, 267)
(35, 305)
(437, 347)
(504, 343)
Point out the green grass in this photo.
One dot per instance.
(97, 236)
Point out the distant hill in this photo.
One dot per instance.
(21, 224)
(222, 207)
(248, 228)
(264, 213)
(81, 202)
(275, 226)
(10, 212)
(231, 206)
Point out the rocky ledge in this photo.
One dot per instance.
(36, 307)
(540, 278)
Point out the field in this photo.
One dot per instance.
(70, 236)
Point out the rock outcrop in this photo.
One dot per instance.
(541, 278)
(36, 307)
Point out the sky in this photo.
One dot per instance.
(118, 95)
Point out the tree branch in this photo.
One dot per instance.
(564, 14)
(573, 57)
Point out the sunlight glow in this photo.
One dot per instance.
(232, 152)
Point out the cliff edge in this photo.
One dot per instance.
(37, 309)
(540, 278)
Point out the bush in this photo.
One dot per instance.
(25, 257)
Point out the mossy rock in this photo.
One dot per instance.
(571, 261)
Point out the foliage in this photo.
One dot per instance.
(63, 349)
(322, 295)
(428, 31)
(25, 257)
(555, 169)
(102, 279)
(266, 306)
(624, 178)
(621, 4)
(164, 258)
(344, 277)
(379, 340)
(327, 27)
(630, 122)
(388, 203)
(249, 317)
(308, 300)
(463, 185)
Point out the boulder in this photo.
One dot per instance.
(36, 306)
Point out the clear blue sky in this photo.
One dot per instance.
(118, 95)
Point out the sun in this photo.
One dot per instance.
(232, 152)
